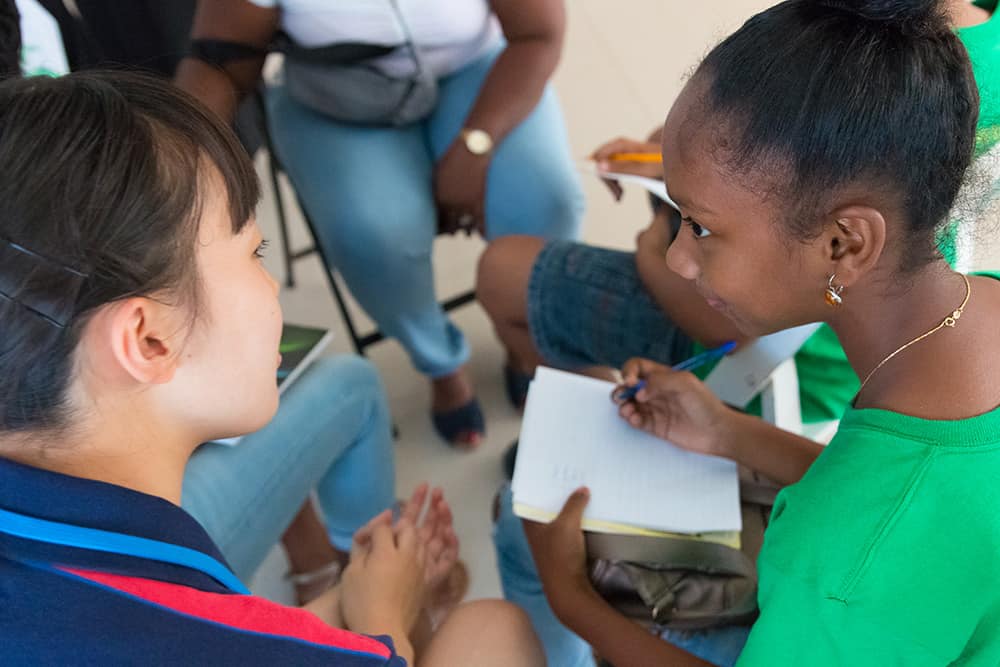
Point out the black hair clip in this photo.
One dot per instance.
(43, 286)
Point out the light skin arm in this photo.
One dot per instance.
(233, 21)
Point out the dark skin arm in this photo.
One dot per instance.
(235, 21)
(534, 31)
(560, 556)
(679, 408)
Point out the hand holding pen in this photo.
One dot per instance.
(673, 404)
(627, 392)
(628, 156)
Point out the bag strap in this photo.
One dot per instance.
(349, 53)
(94, 539)
(680, 553)
(341, 53)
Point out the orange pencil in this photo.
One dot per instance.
(636, 157)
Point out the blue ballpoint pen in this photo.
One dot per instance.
(697, 361)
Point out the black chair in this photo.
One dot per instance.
(360, 340)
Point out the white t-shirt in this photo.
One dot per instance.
(449, 33)
(42, 50)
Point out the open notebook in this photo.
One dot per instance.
(572, 436)
(299, 348)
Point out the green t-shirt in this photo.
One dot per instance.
(827, 383)
(983, 44)
(887, 551)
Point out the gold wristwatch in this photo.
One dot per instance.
(477, 142)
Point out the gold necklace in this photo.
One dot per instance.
(949, 321)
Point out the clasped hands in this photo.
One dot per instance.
(395, 564)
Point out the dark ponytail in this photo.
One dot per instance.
(100, 196)
(840, 92)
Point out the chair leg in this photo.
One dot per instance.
(279, 205)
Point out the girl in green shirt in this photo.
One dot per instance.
(814, 154)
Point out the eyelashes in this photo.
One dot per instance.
(699, 231)
(261, 250)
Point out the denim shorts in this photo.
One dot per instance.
(588, 307)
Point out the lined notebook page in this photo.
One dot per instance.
(572, 436)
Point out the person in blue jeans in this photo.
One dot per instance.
(491, 156)
(331, 434)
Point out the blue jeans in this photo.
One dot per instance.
(332, 433)
(587, 306)
(522, 586)
(368, 191)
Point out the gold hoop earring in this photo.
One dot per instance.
(833, 292)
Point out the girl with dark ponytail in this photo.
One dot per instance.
(814, 155)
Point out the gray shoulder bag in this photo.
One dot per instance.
(685, 584)
(342, 82)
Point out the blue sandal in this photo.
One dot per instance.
(467, 418)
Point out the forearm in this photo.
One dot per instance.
(218, 90)
(780, 455)
(327, 607)
(619, 640)
(237, 22)
(514, 85)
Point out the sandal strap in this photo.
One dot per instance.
(330, 571)
(468, 417)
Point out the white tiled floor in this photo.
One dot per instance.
(623, 64)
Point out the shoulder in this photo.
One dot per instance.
(112, 618)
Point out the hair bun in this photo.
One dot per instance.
(918, 17)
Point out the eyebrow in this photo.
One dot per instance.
(680, 201)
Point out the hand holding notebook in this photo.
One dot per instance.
(572, 436)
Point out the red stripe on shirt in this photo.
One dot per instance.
(243, 612)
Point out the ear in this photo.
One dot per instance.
(145, 338)
(854, 241)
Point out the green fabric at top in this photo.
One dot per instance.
(983, 44)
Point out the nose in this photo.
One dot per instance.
(682, 256)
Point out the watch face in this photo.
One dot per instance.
(478, 142)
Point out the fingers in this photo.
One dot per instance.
(615, 188)
(405, 534)
(415, 505)
(635, 370)
(619, 145)
(361, 541)
(571, 515)
(383, 539)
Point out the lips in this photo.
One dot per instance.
(712, 300)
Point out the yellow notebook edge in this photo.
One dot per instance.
(729, 538)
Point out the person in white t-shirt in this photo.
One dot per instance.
(490, 155)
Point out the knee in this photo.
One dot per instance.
(564, 208)
(500, 624)
(383, 230)
(504, 272)
(348, 375)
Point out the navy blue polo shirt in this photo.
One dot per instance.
(62, 605)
